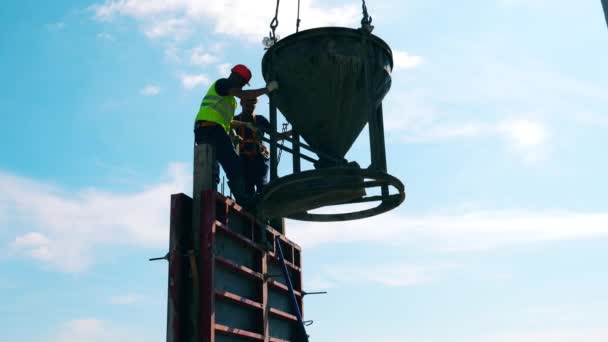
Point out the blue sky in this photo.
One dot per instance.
(495, 122)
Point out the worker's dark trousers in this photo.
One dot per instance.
(255, 172)
(224, 152)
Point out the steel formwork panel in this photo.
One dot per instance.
(236, 277)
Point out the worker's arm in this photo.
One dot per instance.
(236, 139)
(239, 124)
(253, 93)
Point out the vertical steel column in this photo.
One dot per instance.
(265, 298)
(376, 143)
(273, 140)
(202, 314)
(296, 152)
(376, 139)
(179, 284)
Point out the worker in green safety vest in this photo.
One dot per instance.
(214, 123)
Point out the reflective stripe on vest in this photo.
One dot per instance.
(217, 103)
(216, 108)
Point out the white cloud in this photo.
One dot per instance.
(416, 116)
(95, 330)
(58, 26)
(31, 239)
(104, 36)
(35, 245)
(455, 231)
(177, 29)
(192, 81)
(554, 335)
(488, 96)
(403, 60)
(65, 229)
(526, 138)
(503, 276)
(534, 4)
(224, 69)
(199, 57)
(524, 133)
(537, 335)
(125, 299)
(86, 329)
(254, 17)
(387, 275)
(217, 47)
(150, 90)
(172, 54)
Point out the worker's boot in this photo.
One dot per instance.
(242, 197)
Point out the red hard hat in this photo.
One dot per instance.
(242, 71)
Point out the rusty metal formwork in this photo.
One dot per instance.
(236, 282)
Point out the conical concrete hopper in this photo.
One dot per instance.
(330, 80)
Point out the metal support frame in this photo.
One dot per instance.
(376, 173)
(273, 141)
(296, 152)
(179, 284)
(376, 140)
(297, 146)
(376, 143)
(373, 178)
(201, 258)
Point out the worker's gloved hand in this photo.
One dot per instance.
(236, 139)
(272, 86)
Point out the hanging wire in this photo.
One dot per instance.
(298, 20)
(366, 21)
(366, 18)
(275, 23)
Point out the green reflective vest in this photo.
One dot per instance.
(216, 108)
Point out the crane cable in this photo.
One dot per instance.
(275, 23)
(298, 18)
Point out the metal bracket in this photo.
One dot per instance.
(166, 257)
(304, 293)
